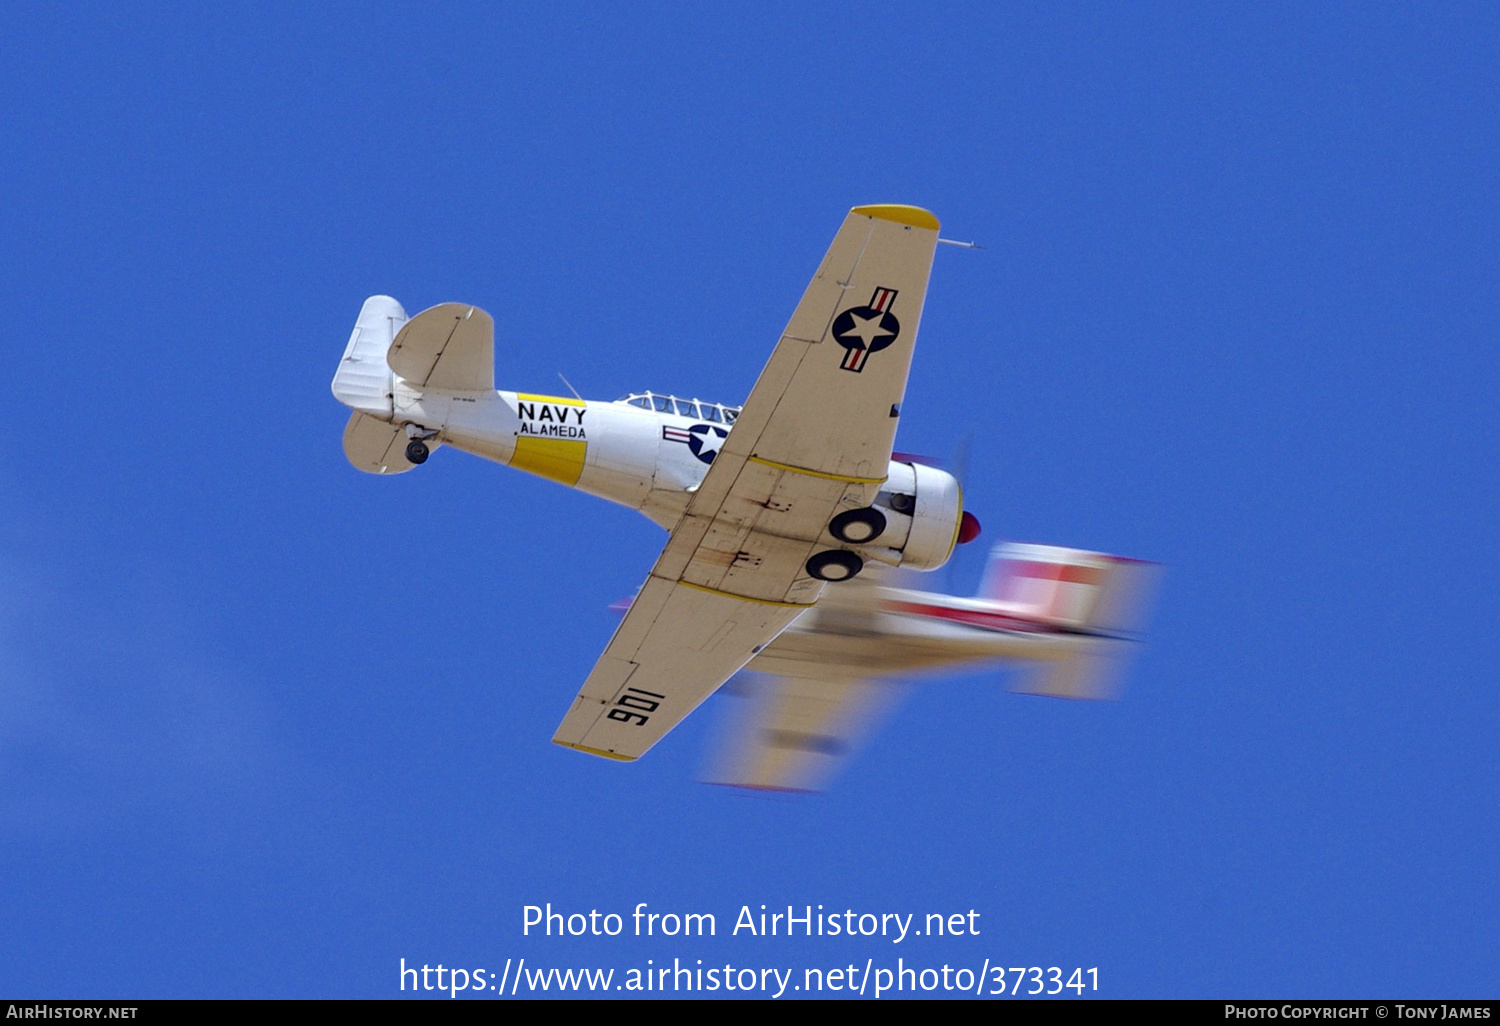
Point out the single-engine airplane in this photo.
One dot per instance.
(772, 507)
(1068, 617)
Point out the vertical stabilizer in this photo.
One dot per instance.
(363, 380)
(1099, 601)
(1045, 582)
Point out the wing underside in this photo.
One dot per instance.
(814, 439)
(676, 645)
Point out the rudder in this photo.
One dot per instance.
(1102, 601)
(363, 379)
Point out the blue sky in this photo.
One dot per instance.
(268, 725)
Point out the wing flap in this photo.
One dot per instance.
(757, 542)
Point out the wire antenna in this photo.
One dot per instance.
(565, 381)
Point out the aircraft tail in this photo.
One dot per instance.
(363, 380)
(363, 383)
(1102, 601)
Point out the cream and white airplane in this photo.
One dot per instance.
(770, 506)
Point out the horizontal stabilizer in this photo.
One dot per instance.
(792, 733)
(1092, 671)
(375, 446)
(450, 348)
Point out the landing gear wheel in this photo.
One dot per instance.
(417, 451)
(834, 565)
(858, 526)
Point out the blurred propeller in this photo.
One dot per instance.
(969, 529)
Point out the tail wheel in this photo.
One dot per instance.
(834, 565)
(858, 526)
(417, 451)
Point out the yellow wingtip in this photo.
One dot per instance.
(595, 751)
(901, 214)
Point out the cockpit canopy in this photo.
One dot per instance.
(682, 407)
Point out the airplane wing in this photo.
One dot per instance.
(800, 729)
(814, 438)
(829, 397)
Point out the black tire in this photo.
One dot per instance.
(417, 451)
(834, 565)
(858, 526)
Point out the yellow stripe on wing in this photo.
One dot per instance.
(746, 598)
(901, 214)
(595, 751)
(816, 473)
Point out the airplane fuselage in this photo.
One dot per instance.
(419, 383)
(652, 460)
(613, 450)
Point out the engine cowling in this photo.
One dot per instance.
(914, 522)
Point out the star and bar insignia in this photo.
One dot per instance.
(702, 439)
(863, 330)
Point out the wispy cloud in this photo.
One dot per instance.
(109, 707)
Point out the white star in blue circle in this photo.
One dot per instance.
(705, 441)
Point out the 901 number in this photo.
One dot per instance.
(635, 706)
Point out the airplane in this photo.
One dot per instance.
(1066, 618)
(775, 508)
